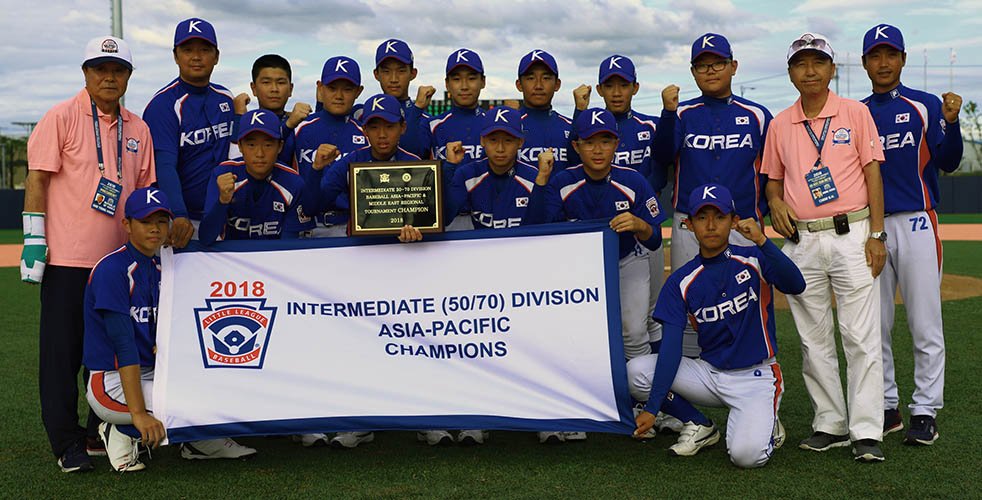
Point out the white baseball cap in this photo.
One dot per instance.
(108, 49)
(811, 41)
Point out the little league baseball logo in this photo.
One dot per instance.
(234, 333)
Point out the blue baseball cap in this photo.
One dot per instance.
(537, 56)
(465, 57)
(145, 201)
(341, 68)
(595, 121)
(712, 43)
(711, 194)
(382, 106)
(195, 28)
(395, 49)
(260, 120)
(504, 119)
(617, 65)
(883, 34)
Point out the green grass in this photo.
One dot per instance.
(513, 464)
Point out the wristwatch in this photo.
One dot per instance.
(878, 235)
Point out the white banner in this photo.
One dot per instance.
(520, 331)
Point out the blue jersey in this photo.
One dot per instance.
(416, 138)
(192, 130)
(343, 132)
(494, 201)
(458, 124)
(261, 209)
(123, 282)
(916, 143)
(717, 141)
(728, 301)
(573, 195)
(637, 138)
(335, 179)
(544, 130)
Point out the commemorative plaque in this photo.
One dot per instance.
(388, 195)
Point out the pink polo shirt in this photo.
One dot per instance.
(851, 144)
(63, 143)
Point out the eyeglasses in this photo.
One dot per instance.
(810, 42)
(716, 66)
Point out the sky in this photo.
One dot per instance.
(45, 43)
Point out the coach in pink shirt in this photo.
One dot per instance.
(825, 193)
(85, 156)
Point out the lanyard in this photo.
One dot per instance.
(119, 143)
(818, 142)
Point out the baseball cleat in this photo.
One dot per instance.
(650, 433)
(551, 437)
(215, 448)
(94, 447)
(821, 441)
(434, 438)
(75, 459)
(779, 435)
(314, 440)
(867, 450)
(351, 439)
(574, 436)
(892, 421)
(923, 430)
(667, 423)
(693, 438)
(123, 451)
(472, 437)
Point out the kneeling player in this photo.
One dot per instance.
(254, 197)
(726, 292)
(120, 336)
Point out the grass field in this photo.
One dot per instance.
(513, 465)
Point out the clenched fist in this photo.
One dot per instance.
(546, 161)
(670, 97)
(325, 155)
(226, 187)
(299, 113)
(581, 96)
(455, 152)
(423, 95)
(240, 103)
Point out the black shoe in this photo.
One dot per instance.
(923, 430)
(821, 441)
(867, 450)
(75, 459)
(892, 421)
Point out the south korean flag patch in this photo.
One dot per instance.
(742, 276)
(279, 207)
(358, 139)
(522, 202)
(743, 120)
(622, 205)
(652, 205)
(644, 135)
(902, 118)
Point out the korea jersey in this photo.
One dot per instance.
(335, 179)
(261, 209)
(195, 125)
(717, 141)
(729, 302)
(544, 130)
(322, 127)
(637, 138)
(573, 195)
(124, 282)
(458, 124)
(916, 143)
(494, 201)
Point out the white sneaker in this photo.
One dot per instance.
(351, 439)
(667, 423)
(215, 448)
(574, 436)
(313, 440)
(551, 437)
(693, 438)
(123, 451)
(779, 434)
(650, 433)
(434, 438)
(472, 437)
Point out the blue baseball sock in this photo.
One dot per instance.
(680, 408)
